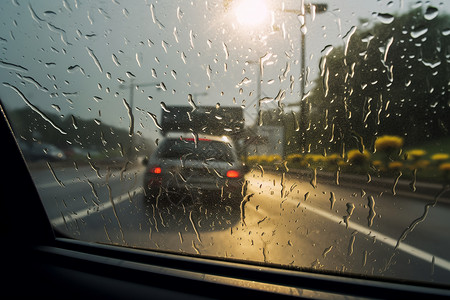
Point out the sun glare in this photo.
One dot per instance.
(251, 12)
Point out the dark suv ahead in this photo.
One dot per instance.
(187, 169)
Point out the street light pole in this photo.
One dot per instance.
(132, 86)
(311, 8)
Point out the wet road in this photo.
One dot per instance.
(285, 219)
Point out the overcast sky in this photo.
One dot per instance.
(71, 57)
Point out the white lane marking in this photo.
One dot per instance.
(71, 180)
(55, 184)
(416, 252)
(85, 212)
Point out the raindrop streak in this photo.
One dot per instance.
(34, 108)
(396, 182)
(139, 59)
(73, 68)
(96, 61)
(372, 212)
(423, 217)
(130, 75)
(347, 38)
(195, 228)
(351, 244)
(364, 262)
(326, 251)
(54, 175)
(313, 181)
(191, 102)
(414, 180)
(33, 81)
(155, 120)
(7, 65)
(195, 248)
(332, 200)
(34, 16)
(244, 81)
(115, 212)
(94, 192)
(306, 196)
(225, 49)
(115, 60)
(243, 202)
(388, 46)
(164, 107)
(96, 169)
(350, 209)
(325, 82)
(130, 115)
(261, 169)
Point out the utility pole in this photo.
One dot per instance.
(311, 8)
(132, 87)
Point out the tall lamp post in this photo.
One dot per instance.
(132, 86)
(311, 8)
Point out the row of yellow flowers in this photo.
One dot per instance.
(390, 158)
(354, 158)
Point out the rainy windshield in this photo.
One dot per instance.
(337, 113)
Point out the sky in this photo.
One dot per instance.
(79, 57)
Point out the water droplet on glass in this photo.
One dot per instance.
(243, 82)
(385, 18)
(351, 244)
(431, 13)
(194, 227)
(161, 86)
(332, 200)
(396, 182)
(155, 120)
(419, 32)
(326, 251)
(115, 60)
(130, 75)
(164, 107)
(130, 116)
(372, 213)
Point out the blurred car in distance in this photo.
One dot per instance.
(187, 169)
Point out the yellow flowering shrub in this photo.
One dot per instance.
(440, 156)
(388, 143)
(415, 154)
(294, 157)
(444, 167)
(314, 158)
(395, 165)
(355, 157)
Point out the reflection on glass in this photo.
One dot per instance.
(313, 137)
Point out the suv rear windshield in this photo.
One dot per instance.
(201, 150)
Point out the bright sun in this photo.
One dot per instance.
(251, 12)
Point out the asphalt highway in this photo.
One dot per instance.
(293, 220)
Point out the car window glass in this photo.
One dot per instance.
(200, 150)
(336, 113)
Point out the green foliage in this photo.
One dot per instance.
(389, 79)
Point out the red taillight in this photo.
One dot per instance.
(155, 170)
(233, 174)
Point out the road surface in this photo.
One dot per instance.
(294, 220)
